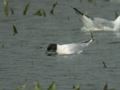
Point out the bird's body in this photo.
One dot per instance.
(66, 49)
(69, 48)
(98, 24)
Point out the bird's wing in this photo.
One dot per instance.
(76, 46)
(88, 22)
(100, 22)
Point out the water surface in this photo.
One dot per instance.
(23, 58)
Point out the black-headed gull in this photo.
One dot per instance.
(66, 49)
(98, 24)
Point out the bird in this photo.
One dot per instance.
(98, 24)
(68, 49)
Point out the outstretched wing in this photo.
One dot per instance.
(102, 23)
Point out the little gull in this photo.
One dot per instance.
(99, 24)
(66, 49)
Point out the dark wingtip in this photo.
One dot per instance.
(78, 11)
(92, 37)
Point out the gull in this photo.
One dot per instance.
(68, 49)
(98, 24)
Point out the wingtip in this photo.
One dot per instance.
(78, 11)
(91, 35)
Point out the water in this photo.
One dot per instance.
(23, 58)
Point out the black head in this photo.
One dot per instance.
(51, 49)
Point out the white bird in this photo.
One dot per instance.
(66, 49)
(99, 24)
(115, 1)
